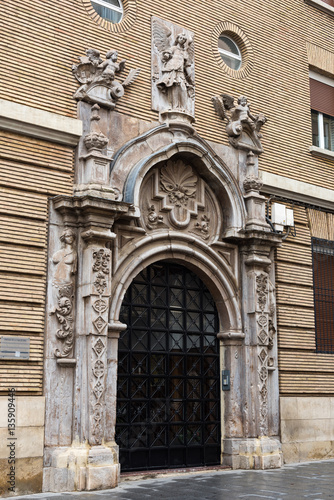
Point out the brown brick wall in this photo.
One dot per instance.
(31, 170)
(45, 38)
(301, 369)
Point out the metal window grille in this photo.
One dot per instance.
(323, 285)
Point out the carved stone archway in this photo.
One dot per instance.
(187, 250)
(214, 271)
(137, 157)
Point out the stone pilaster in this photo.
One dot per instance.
(87, 456)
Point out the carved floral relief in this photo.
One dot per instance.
(262, 321)
(180, 183)
(102, 260)
(99, 371)
(101, 266)
(174, 196)
(265, 297)
(101, 272)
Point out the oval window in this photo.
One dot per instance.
(229, 52)
(111, 10)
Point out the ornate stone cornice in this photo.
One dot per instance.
(95, 214)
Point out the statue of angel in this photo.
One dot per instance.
(92, 72)
(177, 58)
(239, 118)
(110, 66)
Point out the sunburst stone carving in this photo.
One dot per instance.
(179, 181)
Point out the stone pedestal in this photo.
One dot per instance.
(253, 453)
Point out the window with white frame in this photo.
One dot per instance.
(322, 105)
(229, 52)
(111, 10)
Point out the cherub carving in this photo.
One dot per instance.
(98, 78)
(177, 78)
(239, 119)
(110, 66)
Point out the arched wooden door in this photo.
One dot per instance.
(168, 389)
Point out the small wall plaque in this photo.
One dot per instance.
(14, 347)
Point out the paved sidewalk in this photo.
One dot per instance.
(312, 480)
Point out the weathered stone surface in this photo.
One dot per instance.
(30, 411)
(28, 476)
(99, 478)
(307, 428)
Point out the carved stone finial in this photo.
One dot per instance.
(95, 140)
(252, 183)
(242, 128)
(250, 159)
(97, 78)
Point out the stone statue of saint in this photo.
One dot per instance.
(177, 79)
(65, 259)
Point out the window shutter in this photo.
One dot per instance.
(323, 281)
(322, 97)
(330, 2)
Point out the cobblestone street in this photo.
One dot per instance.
(313, 480)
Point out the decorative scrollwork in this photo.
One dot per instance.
(64, 316)
(102, 260)
(262, 290)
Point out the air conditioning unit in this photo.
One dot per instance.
(281, 216)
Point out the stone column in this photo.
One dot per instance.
(102, 469)
(252, 433)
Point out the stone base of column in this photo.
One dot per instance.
(253, 453)
(80, 468)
